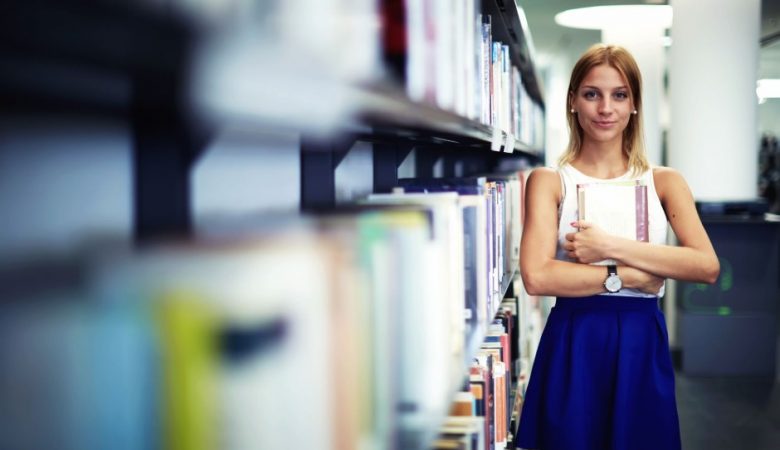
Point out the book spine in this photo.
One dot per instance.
(476, 76)
(443, 64)
(642, 226)
(580, 202)
(486, 69)
(416, 49)
(506, 100)
(495, 85)
(498, 412)
(394, 37)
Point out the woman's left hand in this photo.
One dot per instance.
(589, 244)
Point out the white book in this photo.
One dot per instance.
(443, 24)
(462, 57)
(417, 48)
(432, 311)
(506, 100)
(619, 208)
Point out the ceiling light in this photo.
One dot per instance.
(767, 88)
(600, 17)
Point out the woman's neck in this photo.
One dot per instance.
(601, 159)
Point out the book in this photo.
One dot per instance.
(463, 404)
(619, 208)
(487, 69)
(394, 37)
(473, 427)
(472, 202)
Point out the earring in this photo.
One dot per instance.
(573, 111)
(633, 112)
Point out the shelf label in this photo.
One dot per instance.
(509, 145)
(497, 140)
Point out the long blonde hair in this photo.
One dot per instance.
(633, 136)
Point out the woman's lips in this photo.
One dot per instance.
(603, 124)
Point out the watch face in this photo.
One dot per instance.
(613, 283)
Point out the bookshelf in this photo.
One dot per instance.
(137, 63)
(476, 340)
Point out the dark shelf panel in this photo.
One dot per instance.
(116, 36)
(83, 56)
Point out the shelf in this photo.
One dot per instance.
(88, 57)
(390, 113)
(478, 337)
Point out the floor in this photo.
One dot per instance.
(728, 413)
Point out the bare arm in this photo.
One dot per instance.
(542, 273)
(693, 260)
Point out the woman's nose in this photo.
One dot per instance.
(605, 106)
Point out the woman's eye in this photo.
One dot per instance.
(590, 94)
(621, 95)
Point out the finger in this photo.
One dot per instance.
(570, 236)
(583, 225)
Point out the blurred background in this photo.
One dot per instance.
(203, 243)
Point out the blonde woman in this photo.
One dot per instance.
(603, 378)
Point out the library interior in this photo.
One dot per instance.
(276, 224)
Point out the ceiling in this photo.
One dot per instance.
(552, 40)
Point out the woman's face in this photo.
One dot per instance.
(603, 104)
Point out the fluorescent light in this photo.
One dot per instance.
(600, 17)
(767, 88)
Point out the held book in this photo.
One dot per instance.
(619, 208)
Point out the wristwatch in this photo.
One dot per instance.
(613, 283)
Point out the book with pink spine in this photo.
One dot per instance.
(617, 207)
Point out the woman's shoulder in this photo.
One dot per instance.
(665, 173)
(544, 171)
(544, 175)
(666, 178)
(546, 178)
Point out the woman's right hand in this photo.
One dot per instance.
(638, 279)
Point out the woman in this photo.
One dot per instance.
(602, 377)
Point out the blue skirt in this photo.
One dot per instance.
(602, 379)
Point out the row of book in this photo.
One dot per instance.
(443, 53)
(480, 223)
(446, 54)
(491, 223)
(497, 377)
(511, 107)
(353, 326)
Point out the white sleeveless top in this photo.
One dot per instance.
(567, 213)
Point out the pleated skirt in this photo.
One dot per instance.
(602, 379)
